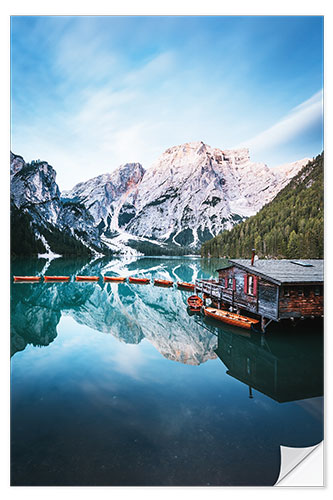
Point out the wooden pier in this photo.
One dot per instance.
(221, 295)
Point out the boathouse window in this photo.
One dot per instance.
(300, 292)
(250, 285)
(286, 292)
(318, 290)
(228, 282)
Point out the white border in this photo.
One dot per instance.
(144, 7)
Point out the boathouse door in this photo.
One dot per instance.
(268, 300)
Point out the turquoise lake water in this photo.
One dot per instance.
(116, 384)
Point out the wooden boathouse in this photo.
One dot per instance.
(271, 289)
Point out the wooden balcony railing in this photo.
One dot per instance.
(216, 291)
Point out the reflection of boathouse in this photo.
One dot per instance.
(271, 289)
(286, 368)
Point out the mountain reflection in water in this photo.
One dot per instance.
(129, 389)
(128, 312)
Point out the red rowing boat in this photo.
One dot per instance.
(185, 286)
(86, 278)
(142, 281)
(56, 278)
(114, 278)
(230, 318)
(163, 282)
(195, 303)
(27, 278)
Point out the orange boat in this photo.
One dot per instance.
(142, 281)
(56, 278)
(27, 278)
(114, 278)
(230, 318)
(163, 283)
(185, 286)
(86, 278)
(195, 303)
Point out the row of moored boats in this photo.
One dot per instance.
(107, 279)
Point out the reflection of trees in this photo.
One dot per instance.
(209, 266)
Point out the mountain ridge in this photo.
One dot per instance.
(189, 194)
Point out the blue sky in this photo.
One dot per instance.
(90, 93)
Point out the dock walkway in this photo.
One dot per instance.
(220, 294)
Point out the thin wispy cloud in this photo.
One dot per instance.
(302, 118)
(91, 93)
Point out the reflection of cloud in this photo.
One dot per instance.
(128, 360)
(314, 406)
(302, 118)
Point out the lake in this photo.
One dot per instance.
(116, 384)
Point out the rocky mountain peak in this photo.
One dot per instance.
(127, 175)
(32, 183)
(114, 183)
(193, 155)
(16, 164)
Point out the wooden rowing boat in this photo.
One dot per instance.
(158, 282)
(56, 278)
(195, 303)
(185, 286)
(86, 278)
(142, 281)
(114, 278)
(230, 318)
(27, 278)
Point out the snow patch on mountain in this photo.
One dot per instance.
(49, 255)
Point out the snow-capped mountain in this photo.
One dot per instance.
(190, 194)
(193, 192)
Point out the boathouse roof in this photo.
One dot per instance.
(284, 271)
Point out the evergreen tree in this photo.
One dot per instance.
(293, 245)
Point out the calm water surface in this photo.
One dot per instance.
(116, 384)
